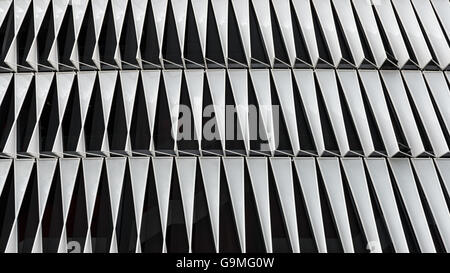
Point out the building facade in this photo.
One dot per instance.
(225, 126)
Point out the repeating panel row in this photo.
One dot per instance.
(225, 112)
(49, 35)
(213, 204)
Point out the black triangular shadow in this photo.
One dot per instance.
(193, 54)
(45, 38)
(186, 125)
(66, 40)
(214, 53)
(128, 41)
(117, 124)
(324, 51)
(140, 129)
(7, 214)
(171, 50)
(24, 39)
(214, 145)
(236, 143)
(163, 140)
(7, 34)
(49, 120)
(236, 52)
(281, 55)
(94, 126)
(7, 114)
(27, 119)
(86, 40)
(260, 58)
(301, 49)
(149, 44)
(71, 123)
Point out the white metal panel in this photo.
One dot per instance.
(399, 98)
(194, 81)
(283, 13)
(429, 180)
(441, 94)
(200, 8)
(284, 88)
(331, 174)
(307, 176)
(150, 83)
(329, 89)
(162, 168)
(304, 16)
(210, 168)
(4, 8)
(405, 181)
(411, 26)
(282, 170)
(159, 8)
(381, 182)
(64, 83)
(220, 8)
(442, 9)
(180, 13)
(443, 166)
(352, 93)
(386, 14)
(5, 81)
(45, 170)
(115, 168)
(234, 171)
(172, 81)
(374, 92)
(107, 81)
(419, 93)
(368, 22)
(216, 81)
(433, 31)
(186, 169)
(354, 171)
(346, 18)
(261, 82)
(257, 167)
(92, 169)
(262, 10)
(241, 10)
(307, 89)
(326, 18)
(129, 81)
(239, 88)
(5, 165)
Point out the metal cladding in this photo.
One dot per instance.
(224, 126)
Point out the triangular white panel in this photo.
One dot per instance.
(388, 20)
(330, 92)
(407, 16)
(107, 80)
(162, 168)
(172, 81)
(200, 8)
(307, 174)
(324, 12)
(283, 84)
(194, 81)
(98, 11)
(241, 10)
(78, 10)
(210, 168)
(159, 12)
(22, 172)
(405, 181)
(119, 8)
(442, 9)
(186, 169)
(261, 83)
(216, 81)
(86, 82)
(129, 80)
(374, 91)
(331, 174)
(433, 31)
(64, 83)
(220, 8)
(59, 10)
(46, 171)
(352, 92)
(443, 166)
(347, 20)
(368, 22)
(420, 95)
(5, 165)
(4, 8)
(92, 170)
(239, 88)
(139, 9)
(5, 81)
(262, 10)
(282, 171)
(431, 186)
(115, 168)
(354, 171)
(306, 86)
(399, 98)
(304, 16)
(150, 82)
(234, 171)
(258, 171)
(20, 10)
(69, 171)
(43, 82)
(139, 171)
(180, 13)
(283, 12)
(22, 84)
